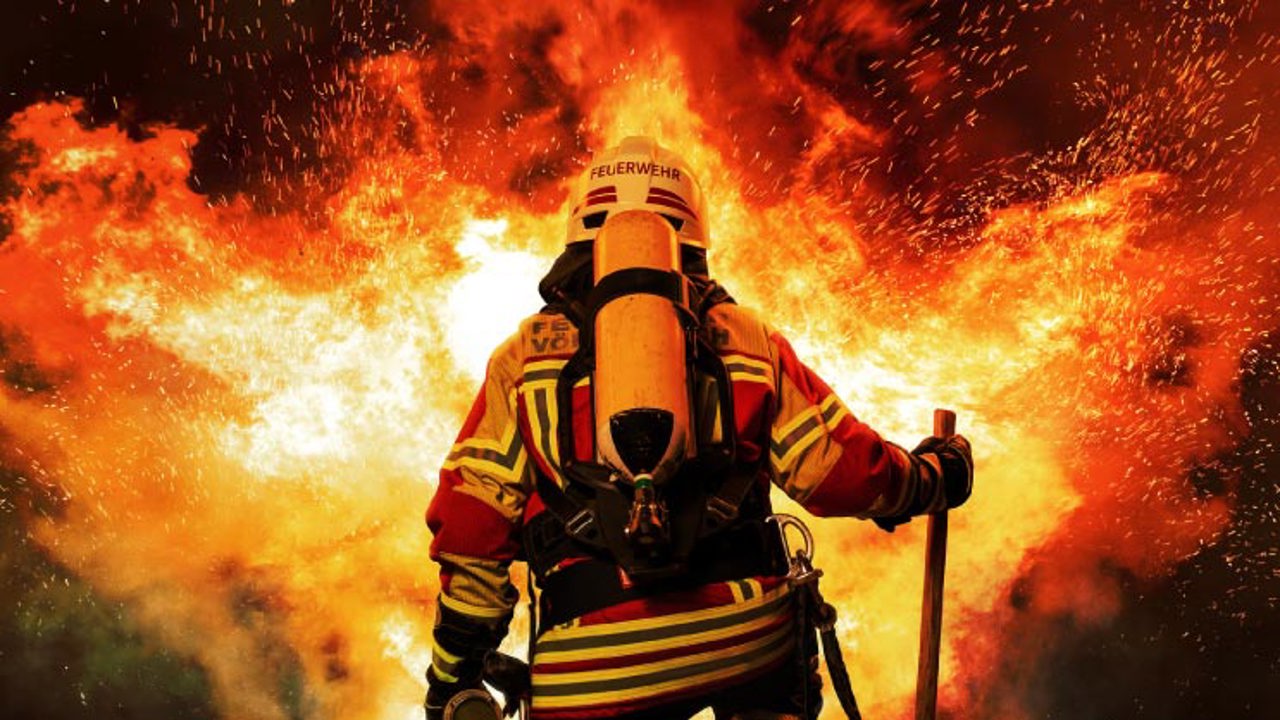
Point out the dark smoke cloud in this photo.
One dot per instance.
(64, 652)
(1198, 642)
(979, 105)
(256, 76)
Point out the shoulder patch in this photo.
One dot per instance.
(734, 329)
(549, 335)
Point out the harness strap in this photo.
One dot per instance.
(546, 544)
(668, 284)
(821, 615)
(725, 503)
(835, 664)
(803, 611)
(575, 517)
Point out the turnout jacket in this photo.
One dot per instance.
(649, 651)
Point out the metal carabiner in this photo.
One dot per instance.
(800, 562)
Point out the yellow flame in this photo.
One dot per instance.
(256, 408)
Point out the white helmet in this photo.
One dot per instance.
(638, 174)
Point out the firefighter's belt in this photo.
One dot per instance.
(749, 549)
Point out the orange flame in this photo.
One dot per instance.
(245, 412)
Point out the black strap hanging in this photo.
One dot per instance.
(816, 612)
(826, 622)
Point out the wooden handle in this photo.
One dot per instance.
(935, 565)
(944, 423)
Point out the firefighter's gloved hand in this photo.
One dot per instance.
(457, 663)
(955, 460)
(942, 476)
(510, 677)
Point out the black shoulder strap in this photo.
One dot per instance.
(574, 513)
(572, 505)
(725, 502)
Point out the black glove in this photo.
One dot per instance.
(466, 639)
(510, 677)
(956, 459)
(941, 476)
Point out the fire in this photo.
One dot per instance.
(244, 411)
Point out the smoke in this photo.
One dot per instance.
(232, 287)
(1197, 640)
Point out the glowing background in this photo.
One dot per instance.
(248, 288)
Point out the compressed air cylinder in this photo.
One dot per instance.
(641, 375)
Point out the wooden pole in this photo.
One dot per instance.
(935, 566)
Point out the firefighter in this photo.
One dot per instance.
(662, 587)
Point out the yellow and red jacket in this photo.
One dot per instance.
(651, 651)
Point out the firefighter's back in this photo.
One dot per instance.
(608, 645)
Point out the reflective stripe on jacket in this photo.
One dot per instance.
(646, 652)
